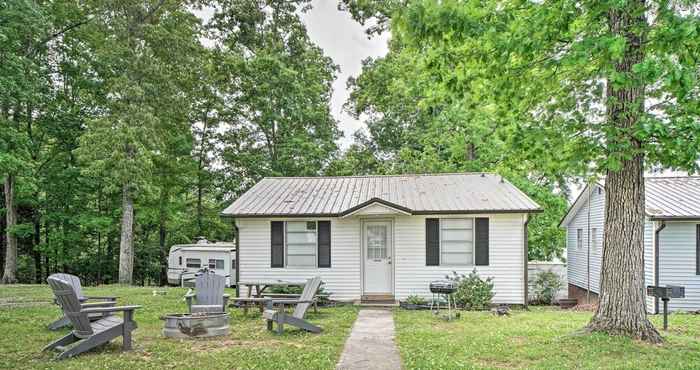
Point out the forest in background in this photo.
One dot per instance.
(122, 133)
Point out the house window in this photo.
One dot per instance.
(594, 238)
(233, 264)
(456, 241)
(193, 263)
(579, 238)
(179, 260)
(301, 243)
(216, 264)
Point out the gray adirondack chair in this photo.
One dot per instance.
(85, 334)
(209, 293)
(74, 282)
(280, 317)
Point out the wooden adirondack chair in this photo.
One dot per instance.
(74, 282)
(209, 293)
(87, 335)
(296, 319)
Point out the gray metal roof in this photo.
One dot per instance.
(673, 197)
(667, 198)
(416, 194)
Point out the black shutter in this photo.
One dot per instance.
(481, 245)
(277, 243)
(324, 244)
(432, 242)
(697, 249)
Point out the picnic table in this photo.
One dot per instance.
(256, 288)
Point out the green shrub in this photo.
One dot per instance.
(546, 284)
(473, 292)
(416, 300)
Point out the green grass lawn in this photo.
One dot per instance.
(544, 338)
(26, 309)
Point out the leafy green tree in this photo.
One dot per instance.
(414, 127)
(143, 55)
(594, 88)
(277, 86)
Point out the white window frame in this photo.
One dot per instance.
(468, 264)
(579, 239)
(223, 263)
(286, 246)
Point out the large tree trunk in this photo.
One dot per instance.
(621, 309)
(9, 275)
(126, 244)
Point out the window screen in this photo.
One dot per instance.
(193, 263)
(301, 244)
(456, 241)
(216, 264)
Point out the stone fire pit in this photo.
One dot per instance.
(197, 325)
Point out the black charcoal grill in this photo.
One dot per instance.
(443, 289)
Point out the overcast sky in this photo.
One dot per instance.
(345, 41)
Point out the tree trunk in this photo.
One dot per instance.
(621, 308)
(162, 236)
(10, 274)
(35, 247)
(126, 244)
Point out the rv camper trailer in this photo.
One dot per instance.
(184, 260)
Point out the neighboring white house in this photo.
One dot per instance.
(387, 237)
(184, 260)
(671, 239)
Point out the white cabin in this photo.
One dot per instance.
(671, 240)
(184, 260)
(385, 237)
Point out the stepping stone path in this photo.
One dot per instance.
(371, 342)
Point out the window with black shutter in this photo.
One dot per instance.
(324, 244)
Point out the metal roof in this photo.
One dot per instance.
(416, 194)
(667, 198)
(673, 197)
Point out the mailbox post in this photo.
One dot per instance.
(666, 293)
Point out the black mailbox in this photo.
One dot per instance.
(665, 293)
(668, 291)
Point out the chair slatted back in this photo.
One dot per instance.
(209, 288)
(68, 300)
(72, 280)
(310, 289)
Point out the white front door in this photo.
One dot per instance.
(377, 246)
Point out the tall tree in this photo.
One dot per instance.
(277, 88)
(414, 127)
(142, 51)
(602, 87)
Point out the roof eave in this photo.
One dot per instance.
(428, 212)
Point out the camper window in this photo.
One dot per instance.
(216, 264)
(194, 262)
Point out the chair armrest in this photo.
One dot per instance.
(106, 298)
(98, 304)
(227, 296)
(290, 301)
(109, 309)
(252, 299)
(190, 294)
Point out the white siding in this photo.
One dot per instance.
(677, 256)
(412, 276)
(505, 258)
(577, 258)
(649, 229)
(677, 263)
(342, 278)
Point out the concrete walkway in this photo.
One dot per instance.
(371, 343)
